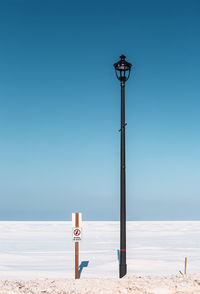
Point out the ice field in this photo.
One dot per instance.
(45, 249)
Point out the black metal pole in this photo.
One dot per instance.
(122, 70)
(122, 266)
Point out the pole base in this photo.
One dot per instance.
(122, 270)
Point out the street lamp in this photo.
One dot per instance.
(122, 70)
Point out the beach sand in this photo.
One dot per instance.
(150, 284)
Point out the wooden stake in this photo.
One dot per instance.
(76, 248)
(185, 265)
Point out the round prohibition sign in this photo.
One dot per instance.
(77, 232)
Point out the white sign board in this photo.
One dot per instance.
(76, 234)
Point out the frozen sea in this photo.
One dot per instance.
(45, 249)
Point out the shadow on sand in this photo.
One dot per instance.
(81, 266)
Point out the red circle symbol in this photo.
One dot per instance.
(77, 232)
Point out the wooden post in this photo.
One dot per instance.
(185, 265)
(76, 248)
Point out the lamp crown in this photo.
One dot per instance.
(123, 57)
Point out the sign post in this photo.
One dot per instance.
(76, 235)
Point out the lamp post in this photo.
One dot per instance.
(122, 69)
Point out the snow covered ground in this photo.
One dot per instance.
(171, 284)
(31, 250)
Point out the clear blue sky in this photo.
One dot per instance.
(60, 109)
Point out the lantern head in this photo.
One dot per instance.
(122, 69)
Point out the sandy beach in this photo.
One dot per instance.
(151, 284)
